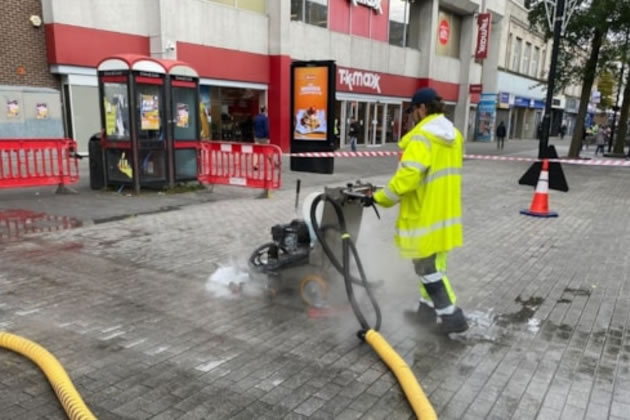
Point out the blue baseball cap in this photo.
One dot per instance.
(425, 95)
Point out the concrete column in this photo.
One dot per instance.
(490, 66)
(162, 41)
(467, 45)
(423, 30)
(279, 97)
(490, 70)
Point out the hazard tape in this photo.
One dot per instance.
(386, 153)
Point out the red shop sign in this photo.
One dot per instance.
(484, 25)
(476, 88)
(444, 32)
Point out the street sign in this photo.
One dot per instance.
(476, 88)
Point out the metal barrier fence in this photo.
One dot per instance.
(37, 162)
(240, 164)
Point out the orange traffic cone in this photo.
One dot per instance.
(540, 203)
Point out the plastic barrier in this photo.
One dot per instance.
(241, 164)
(37, 162)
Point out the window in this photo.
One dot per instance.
(535, 59)
(526, 56)
(314, 12)
(543, 70)
(253, 5)
(149, 111)
(508, 51)
(116, 111)
(516, 54)
(184, 113)
(399, 23)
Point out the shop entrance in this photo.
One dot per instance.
(376, 123)
(376, 118)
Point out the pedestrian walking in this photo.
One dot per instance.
(600, 140)
(563, 131)
(261, 131)
(501, 132)
(354, 132)
(427, 185)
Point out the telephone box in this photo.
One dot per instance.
(182, 105)
(150, 121)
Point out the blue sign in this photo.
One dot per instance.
(486, 112)
(521, 102)
(504, 98)
(539, 104)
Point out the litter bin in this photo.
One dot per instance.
(97, 177)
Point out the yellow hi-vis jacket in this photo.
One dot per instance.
(428, 186)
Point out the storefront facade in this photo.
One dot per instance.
(384, 51)
(520, 105)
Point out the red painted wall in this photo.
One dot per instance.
(279, 101)
(339, 16)
(379, 24)
(359, 20)
(79, 46)
(221, 63)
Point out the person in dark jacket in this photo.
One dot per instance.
(501, 132)
(261, 131)
(261, 127)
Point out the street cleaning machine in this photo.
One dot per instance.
(324, 243)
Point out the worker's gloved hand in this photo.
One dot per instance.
(368, 201)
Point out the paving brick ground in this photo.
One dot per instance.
(125, 307)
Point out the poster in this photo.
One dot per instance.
(149, 112)
(110, 118)
(123, 166)
(486, 111)
(13, 109)
(182, 117)
(41, 111)
(310, 103)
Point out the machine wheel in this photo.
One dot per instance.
(314, 290)
(259, 259)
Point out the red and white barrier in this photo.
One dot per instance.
(240, 164)
(385, 153)
(37, 162)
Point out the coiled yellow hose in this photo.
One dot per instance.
(59, 380)
(408, 382)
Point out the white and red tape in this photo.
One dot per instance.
(386, 153)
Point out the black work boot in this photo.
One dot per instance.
(426, 313)
(454, 323)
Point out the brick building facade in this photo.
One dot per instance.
(30, 100)
(23, 46)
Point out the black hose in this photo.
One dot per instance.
(348, 248)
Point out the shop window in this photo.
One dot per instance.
(399, 23)
(116, 111)
(149, 113)
(516, 54)
(253, 5)
(535, 59)
(314, 12)
(231, 112)
(184, 113)
(526, 55)
(448, 37)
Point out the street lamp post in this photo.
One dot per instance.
(551, 78)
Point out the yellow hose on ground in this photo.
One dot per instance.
(408, 382)
(57, 376)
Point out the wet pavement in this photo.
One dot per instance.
(130, 307)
